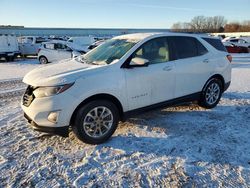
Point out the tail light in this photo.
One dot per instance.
(230, 58)
(38, 50)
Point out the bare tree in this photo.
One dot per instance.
(202, 24)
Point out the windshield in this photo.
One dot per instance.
(108, 52)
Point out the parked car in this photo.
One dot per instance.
(55, 51)
(95, 44)
(81, 43)
(237, 41)
(232, 48)
(8, 47)
(124, 76)
(29, 45)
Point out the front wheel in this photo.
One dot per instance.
(96, 121)
(211, 94)
(43, 60)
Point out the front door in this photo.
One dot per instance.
(154, 83)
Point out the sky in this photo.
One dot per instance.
(116, 13)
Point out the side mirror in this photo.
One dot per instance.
(138, 62)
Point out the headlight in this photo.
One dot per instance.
(49, 91)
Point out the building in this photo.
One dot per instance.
(33, 31)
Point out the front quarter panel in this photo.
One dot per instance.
(111, 81)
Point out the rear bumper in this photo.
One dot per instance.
(61, 131)
(227, 85)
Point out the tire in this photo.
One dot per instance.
(43, 60)
(95, 128)
(211, 93)
(9, 58)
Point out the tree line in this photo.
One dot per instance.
(214, 24)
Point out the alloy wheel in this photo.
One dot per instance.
(98, 121)
(212, 93)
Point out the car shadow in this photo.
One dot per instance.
(220, 135)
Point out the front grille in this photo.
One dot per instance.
(28, 96)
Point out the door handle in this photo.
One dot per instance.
(168, 68)
(206, 61)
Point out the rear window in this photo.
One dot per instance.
(216, 43)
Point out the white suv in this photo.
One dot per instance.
(125, 75)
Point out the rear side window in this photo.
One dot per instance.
(201, 50)
(186, 47)
(216, 43)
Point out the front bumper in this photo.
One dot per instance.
(62, 131)
(38, 110)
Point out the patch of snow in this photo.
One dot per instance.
(181, 146)
(17, 69)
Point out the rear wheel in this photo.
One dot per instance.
(96, 121)
(43, 60)
(211, 93)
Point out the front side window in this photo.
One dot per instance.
(154, 51)
(108, 52)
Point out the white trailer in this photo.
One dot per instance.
(8, 47)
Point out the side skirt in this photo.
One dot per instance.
(187, 98)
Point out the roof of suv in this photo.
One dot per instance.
(141, 36)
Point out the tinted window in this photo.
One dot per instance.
(201, 50)
(216, 43)
(186, 47)
(60, 46)
(234, 40)
(40, 40)
(155, 51)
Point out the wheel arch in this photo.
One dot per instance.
(102, 96)
(217, 76)
(43, 56)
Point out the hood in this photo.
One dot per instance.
(62, 72)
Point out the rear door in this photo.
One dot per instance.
(192, 65)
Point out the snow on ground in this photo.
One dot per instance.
(178, 146)
(17, 69)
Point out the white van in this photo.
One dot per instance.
(29, 45)
(81, 43)
(8, 47)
